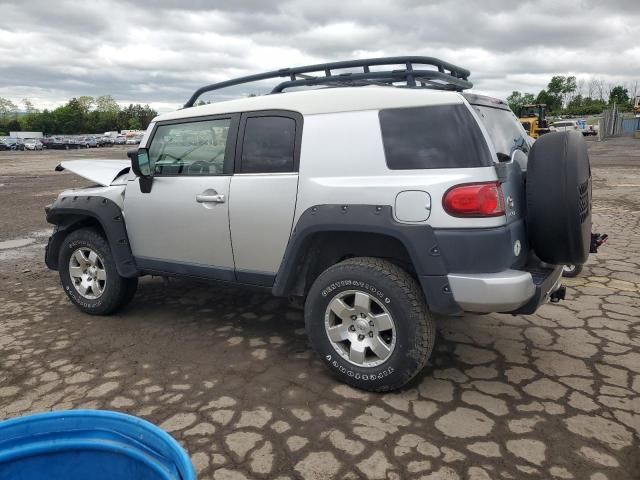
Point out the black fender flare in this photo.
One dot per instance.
(419, 241)
(67, 212)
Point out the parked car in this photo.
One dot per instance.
(46, 141)
(378, 207)
(565, 126)
(120, 140)
(13, 143)
(33, 144)
(104, 141)
(57, 143)
(88, 142)
(133, 140)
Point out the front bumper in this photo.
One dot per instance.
(513, 291)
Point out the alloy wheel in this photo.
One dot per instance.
(87, 273)
(360, 328)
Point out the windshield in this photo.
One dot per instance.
(506, 132)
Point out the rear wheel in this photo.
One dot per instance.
(89, 275)
(571, 270)
(368, 321)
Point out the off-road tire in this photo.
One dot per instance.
(415, 328)
(558, 193)
(577, 270)
(118, 291)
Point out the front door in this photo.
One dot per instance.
(182, 225)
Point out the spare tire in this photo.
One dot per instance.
(559, 198)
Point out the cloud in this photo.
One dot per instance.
(160, 51)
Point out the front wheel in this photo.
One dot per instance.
(368, 321)
(89, 275)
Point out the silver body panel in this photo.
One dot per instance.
(261, 211)
(115, 193)
(491, 292)
(168, 224)
(342, 161)
(495, 292)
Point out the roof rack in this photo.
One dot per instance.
(445, 77)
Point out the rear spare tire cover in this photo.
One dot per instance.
(559, 198)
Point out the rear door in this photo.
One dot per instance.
(263, 192)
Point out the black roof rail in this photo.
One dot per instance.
(446, 76)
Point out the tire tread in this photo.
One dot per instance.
(425, 325)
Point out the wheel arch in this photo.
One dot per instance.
(323, 247)
(69, 214)
(327, 234)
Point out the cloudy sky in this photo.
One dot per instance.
(159, 51)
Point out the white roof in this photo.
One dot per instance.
(326, 100)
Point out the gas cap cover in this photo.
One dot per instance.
(413, 206)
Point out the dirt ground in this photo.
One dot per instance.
(229, 372)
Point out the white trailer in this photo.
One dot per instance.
(26, 134)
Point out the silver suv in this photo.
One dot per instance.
(383, 197)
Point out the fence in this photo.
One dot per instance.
(614, 124)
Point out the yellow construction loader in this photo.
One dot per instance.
(533, 119)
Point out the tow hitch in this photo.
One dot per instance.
(597, 240)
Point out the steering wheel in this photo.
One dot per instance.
(198, 168)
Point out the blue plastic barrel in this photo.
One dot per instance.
(89, 445)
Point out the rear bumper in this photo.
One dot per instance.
(514, 291)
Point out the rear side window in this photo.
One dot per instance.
(441, 136)
(268, 145)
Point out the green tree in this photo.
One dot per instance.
(31, 114)
(619, 95)
(7, 108)
(105, 116)
(135, 124)
(559, 91)
(85, 103)
(70, 118)
(28, 106)
(518, 99)
(553, 102)
(14, 125)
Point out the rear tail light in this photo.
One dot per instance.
(474, 200)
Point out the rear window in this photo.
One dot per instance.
(441, 136)
(504, 128)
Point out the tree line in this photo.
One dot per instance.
(79, 115)
(565, 95)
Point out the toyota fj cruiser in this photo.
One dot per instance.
(381, 206)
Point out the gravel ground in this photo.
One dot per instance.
(229, 372)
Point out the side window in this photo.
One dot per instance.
(190, 149)
(268, 145)
(439, 136)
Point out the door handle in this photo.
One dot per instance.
(210, 198)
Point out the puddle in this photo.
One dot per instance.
(33, 251)
(17, 243)
(24, 247)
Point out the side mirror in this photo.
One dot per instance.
(140, 162)
(141, 166)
